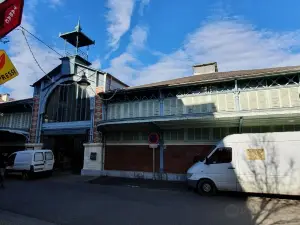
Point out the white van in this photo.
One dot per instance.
(30, 162)
(259, 163)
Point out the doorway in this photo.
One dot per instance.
(68, 151)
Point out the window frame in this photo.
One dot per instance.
(34, 159)
(217, 150)
(47, 153)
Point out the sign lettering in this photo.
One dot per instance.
(7, 69)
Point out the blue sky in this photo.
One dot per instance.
(142, 41)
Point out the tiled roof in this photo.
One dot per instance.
(221, 76)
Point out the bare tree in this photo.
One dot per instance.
(268, 178)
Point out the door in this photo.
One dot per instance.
(221, 168)
(49, 160)
(38, 162)
(22, 161)
(11, 162)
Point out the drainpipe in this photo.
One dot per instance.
(103, 137)
(236, 96)
(240, 125)
(161, 152)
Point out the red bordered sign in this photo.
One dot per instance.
(10, 15)
(153, 138)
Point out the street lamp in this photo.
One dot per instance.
(83, 82)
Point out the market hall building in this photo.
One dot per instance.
(101, 126)
(191, 115)
(65, 107)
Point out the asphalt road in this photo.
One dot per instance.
(69, 200)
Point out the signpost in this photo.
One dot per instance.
(153, 140)
(10, 15)
(7, 69)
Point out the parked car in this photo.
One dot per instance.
(30, 162)
(259, 163)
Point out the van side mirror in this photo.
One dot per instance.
(207, 161)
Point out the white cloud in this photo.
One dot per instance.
(55, 3)
(119, 19)
(138, 38)
(96, 64)
(24, 62)
(126, 62)
(143, 4)
(234, 44)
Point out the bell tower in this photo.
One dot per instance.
(77, 39)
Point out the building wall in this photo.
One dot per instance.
(177, 158)
(129, 150)
(130, 158)
(16, 120)
(34, 119)
(227, 101)
(97, 115)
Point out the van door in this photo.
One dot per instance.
(49, 160)
(221, 168)
(11, 163)
(38, 160)
(22, 161)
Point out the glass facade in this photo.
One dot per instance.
(68, 103)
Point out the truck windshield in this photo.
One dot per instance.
(201, 158)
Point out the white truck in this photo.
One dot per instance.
(258, 163)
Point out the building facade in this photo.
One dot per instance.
(63, 112)
(191, 115)
(102, 127)
(15, 118)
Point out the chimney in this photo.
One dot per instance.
(4, 97)
(205, 68)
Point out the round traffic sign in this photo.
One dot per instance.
(153, 138)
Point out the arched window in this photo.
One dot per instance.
(68, 103)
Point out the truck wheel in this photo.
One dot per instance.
(206, 187)
(25, 175)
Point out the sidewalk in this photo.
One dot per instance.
(9, 218)
(140, 183)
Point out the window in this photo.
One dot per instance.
(49, 156)
(113, 136)
(39, 156)
(221, 155)
(174, 135)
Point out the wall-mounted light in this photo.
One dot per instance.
(84, 83)
(46, 118)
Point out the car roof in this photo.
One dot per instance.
(38, 150)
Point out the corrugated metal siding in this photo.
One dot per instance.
(270, 99)
(222, 102)
(16, 120)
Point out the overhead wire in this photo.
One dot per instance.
(36, 61)
(47, 45)
(32, 53)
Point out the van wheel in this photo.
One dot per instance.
(25, 175)
(206, 187)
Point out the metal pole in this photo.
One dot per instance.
(153, 159)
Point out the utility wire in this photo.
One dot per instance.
(47, 45)
(32, 53)
(41, 41)
(29, 47)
